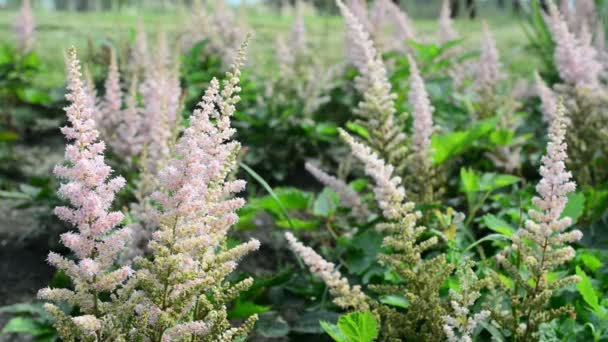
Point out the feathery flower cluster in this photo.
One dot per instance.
(404, 30)
(387, 24)
(24, 28)
(405, 258)
(111, 104)
(345, 296)
(298, 31)
(161, 95)
(184, 292)
(549, 242)
(489, 68)
(219, 25)
(576, 59)
(547, 98)
(97, 243)
(388, 190)
(139, 59)
(348, 197)
(422, 113)
(447, 32)
(377, 110)
(461, 326)
(128, 140)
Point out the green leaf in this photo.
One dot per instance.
(326, 203)
(358, 327)
(271, 325)
(8, 136)
(492, 181)
(575, 206)
(489, 237)
(469, 180)
(455, 143)
(26, 325)
(359, 184)
(333, 331)
(586, 290)
(498, 225)
(590, 261)
(396, 301)
(274, 196)
(328, 129)
(298, 224)
(358, 129)
(244, 309)
(362, 251)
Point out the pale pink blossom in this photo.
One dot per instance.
(447, 32)
(546, 225)
(489, 67)
(389, 192)
(90, 192)
(346, 296)
(197, 208)
(548, 99)
(576, 61)
(25, 27)
(422, 113)
(111, 105)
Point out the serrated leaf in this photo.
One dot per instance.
(358, 327)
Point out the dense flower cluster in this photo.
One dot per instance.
(97, 242)
(345, 296)
(489, 69)
(447, 32)
(377, 110)
(542, 244)
(25, 27)
(184, 291)
(575, 58)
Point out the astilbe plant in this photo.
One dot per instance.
(447, 32)
(404, 239)
(584, 96)
(424, 178)
(541, 246)
(24, 28)
(376, 112)
(422, 277)
(184, 292)
(98, 239)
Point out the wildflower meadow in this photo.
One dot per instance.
(304, 170)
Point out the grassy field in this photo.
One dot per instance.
(59, 30)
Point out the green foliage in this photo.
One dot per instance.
(31, 320)
(353, 327)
